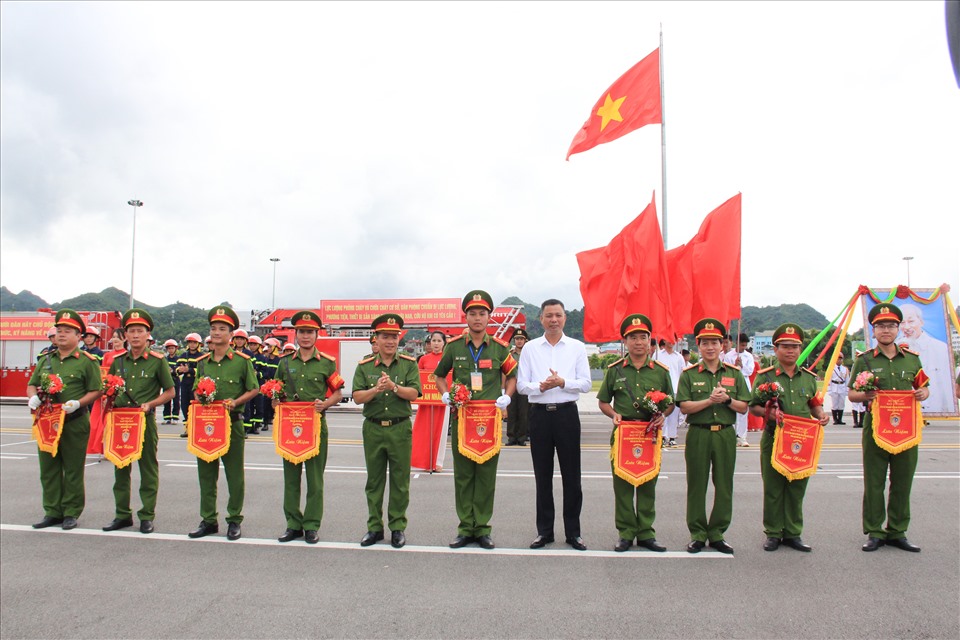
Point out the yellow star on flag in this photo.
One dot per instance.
(610, 111)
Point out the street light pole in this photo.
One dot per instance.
(133, 246)
(908, 259)
(273, 299)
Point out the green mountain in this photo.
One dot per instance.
(23, 301)
(769, 318)
(573, 328)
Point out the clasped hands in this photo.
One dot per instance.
(552, 381)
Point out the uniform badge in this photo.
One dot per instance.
(391, 321)
(220, 312)
(789, 330)
(709, 325)
(637, 321)
(135, 314)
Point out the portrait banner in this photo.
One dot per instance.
(47, 428)
(479, 430)
(208, 430)
(636, 453)
(796, 447)
(897, 421)
(296, 432)
(123, 434)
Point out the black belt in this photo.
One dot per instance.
(712, 427)
(552, 406)
(388, 422)
(837, 382)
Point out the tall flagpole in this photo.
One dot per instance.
(663, 149)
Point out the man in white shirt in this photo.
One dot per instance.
(742, 358)
(553, 373)
(675, 362)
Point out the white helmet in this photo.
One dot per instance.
(193, 337)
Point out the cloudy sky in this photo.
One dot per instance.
(417, 150)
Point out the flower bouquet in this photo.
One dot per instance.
(206, 390)
(655, 402)
(769, 393)
(459, 394)
(50, 385)
(865, 381)
(273, 389)
(112, 387)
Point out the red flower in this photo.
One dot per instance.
(273, 389)
(206, 390)
(459, 394)
(113, 386)
(51, 383)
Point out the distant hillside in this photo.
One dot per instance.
(23, 301)
(769, 318)
(573, 328)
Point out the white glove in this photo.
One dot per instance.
(503, 402)
(71, 405)
(34, 403)
(445, 398)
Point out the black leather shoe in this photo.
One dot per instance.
(183, 435)
(146, 526)
(311, 537)
(119, 523)
(371, 537)
(797, 543)
(903, 543)
(695, 546)
(205, 529)
(290, 534)
(512, 442)
(485, 542)
(48, 521)
(722, 546)
(622, 545)
(651, 544)
(69, 523)
(771, 544)
(577, 543)
(233, 531)
(460, 541)
(397, 539)
(872, 544)
(541, 541)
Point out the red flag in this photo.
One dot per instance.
(629, 275)
(631, 102)
(704, 274)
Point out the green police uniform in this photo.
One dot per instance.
(622, 383)
(307, 381)
(145, 377)
(387, 438)
(893, 374)
(711, 441)
(783, 498)
(475, 484)
(61, 476)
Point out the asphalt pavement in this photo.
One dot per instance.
(90, 584)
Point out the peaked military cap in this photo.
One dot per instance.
(788, 332)
(477, 298)
(635, 322)
(709, 328)
(137, 316)
(70, 318)
(885, 312)
(521, 333)
(305, 320)
(225, 315)
(387, 323)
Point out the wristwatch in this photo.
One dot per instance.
(728, 401)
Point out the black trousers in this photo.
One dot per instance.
(558, 431)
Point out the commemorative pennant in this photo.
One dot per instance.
(208, 430)
(897, 421)
(796, 447)
(479, 430)
(635, 453)
(47, 427)
(296, 432)
(123, 435)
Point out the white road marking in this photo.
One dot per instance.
(353, 546)
(13, 444)
(915, 477)
(7, 456)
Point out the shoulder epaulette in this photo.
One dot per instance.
(90, 355)
(732, 366)
(367, 359)
(328, 356)
(662, 365)
(158, 355)
(910, 351)
(501, 342)
(286, 355)
(691, 366)
(770, 368)
(242, 354)
(121, 352)
(406, 357)
(205, 356)
(615, 363)
(808, 371)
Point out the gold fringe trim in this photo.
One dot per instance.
(287, 455)
(54, 446)
(203, 455)
(649, 475)
(497, 437)
(906, 444)
(788, 473)
(108, 428)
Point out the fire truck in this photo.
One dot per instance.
(346, 325)
(23, 335)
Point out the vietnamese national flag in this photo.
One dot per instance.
(704, 274)
(631, 102)
(629, 275)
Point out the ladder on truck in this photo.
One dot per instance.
(507, 322)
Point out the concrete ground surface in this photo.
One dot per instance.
(90, 584)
